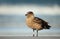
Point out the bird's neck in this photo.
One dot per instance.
(31, 17)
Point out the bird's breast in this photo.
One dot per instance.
(32, 24)
(29, 22)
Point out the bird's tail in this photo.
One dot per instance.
(47, 27)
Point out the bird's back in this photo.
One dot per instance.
(43, 23)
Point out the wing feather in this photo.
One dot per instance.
(39, 20)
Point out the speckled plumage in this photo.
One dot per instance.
(36, 23)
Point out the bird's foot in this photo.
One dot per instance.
(33, 35)
(36, 35)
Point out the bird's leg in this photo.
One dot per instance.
(33, 33)
(37, 33)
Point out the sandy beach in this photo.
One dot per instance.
(29, 37)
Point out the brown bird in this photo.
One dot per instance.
(35, 23)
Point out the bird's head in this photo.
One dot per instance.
(29, 14)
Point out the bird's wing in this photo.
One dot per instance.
(38, 20)
(43, 23)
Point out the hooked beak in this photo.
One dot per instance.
(25, 14)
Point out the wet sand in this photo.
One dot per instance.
(29, 37)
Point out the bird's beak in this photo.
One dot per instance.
(25, 14)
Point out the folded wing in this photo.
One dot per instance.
(43, 23)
